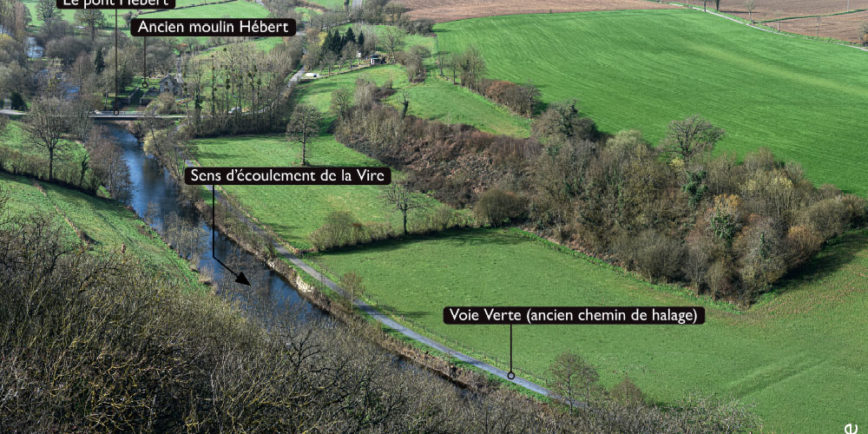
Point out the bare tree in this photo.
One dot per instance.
(342, 103)
(393, 40)
(750, 5)
(864, 37)
(405, 102)
(45, 125)
(691, 137)
(573, 378)
(90, 18)
(107, 163)
(403, 200)
(471, 67)
(330, 58)
(304, 125)
(47, 10)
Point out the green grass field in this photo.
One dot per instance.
(329, 4)
(14, 137)
(307, 13)
(236, 9)
(109, 14)
(804, 100)
(108, 223)
(785, 355)
(69, 14)
(293, 212)
(435, 99)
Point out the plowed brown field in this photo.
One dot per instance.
(844, 27)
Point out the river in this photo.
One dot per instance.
(154, 197)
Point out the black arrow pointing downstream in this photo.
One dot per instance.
(239, 277)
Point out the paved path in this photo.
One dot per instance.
(379, 316)
(390, 323)
(384, 319)
(295, 77)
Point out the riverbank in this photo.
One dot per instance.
(333, 303)
(253, 240)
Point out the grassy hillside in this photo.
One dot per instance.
(330, 4)
(641, 69)
(236, 9)
(435, 98)
(293, 212)
(107, 223)
(15, 137)
(785, 355)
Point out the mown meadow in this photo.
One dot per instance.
(436, 98)
(294, 212)
(804, 100)
(798, 346)
(785, 355)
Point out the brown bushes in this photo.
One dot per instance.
(341, 229)
(522, 99)
(498, 207)
(674, 213)
(653, 254)
(454, 162)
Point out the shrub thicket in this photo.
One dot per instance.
(498, 207)
(674, 212)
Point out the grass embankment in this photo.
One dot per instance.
(293, 212)
(107, 224)
(306, 13)
(641, 69)
(329, 4)
(236, 9)
(786, 355)
(435, 98)
(14, 137)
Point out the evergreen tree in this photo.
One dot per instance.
(350, 36)
(17, 102)
(328, 43)
(99, 62)
(336, 42)
(361, 42)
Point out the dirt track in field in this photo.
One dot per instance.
(451, 10)
(843, 27)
